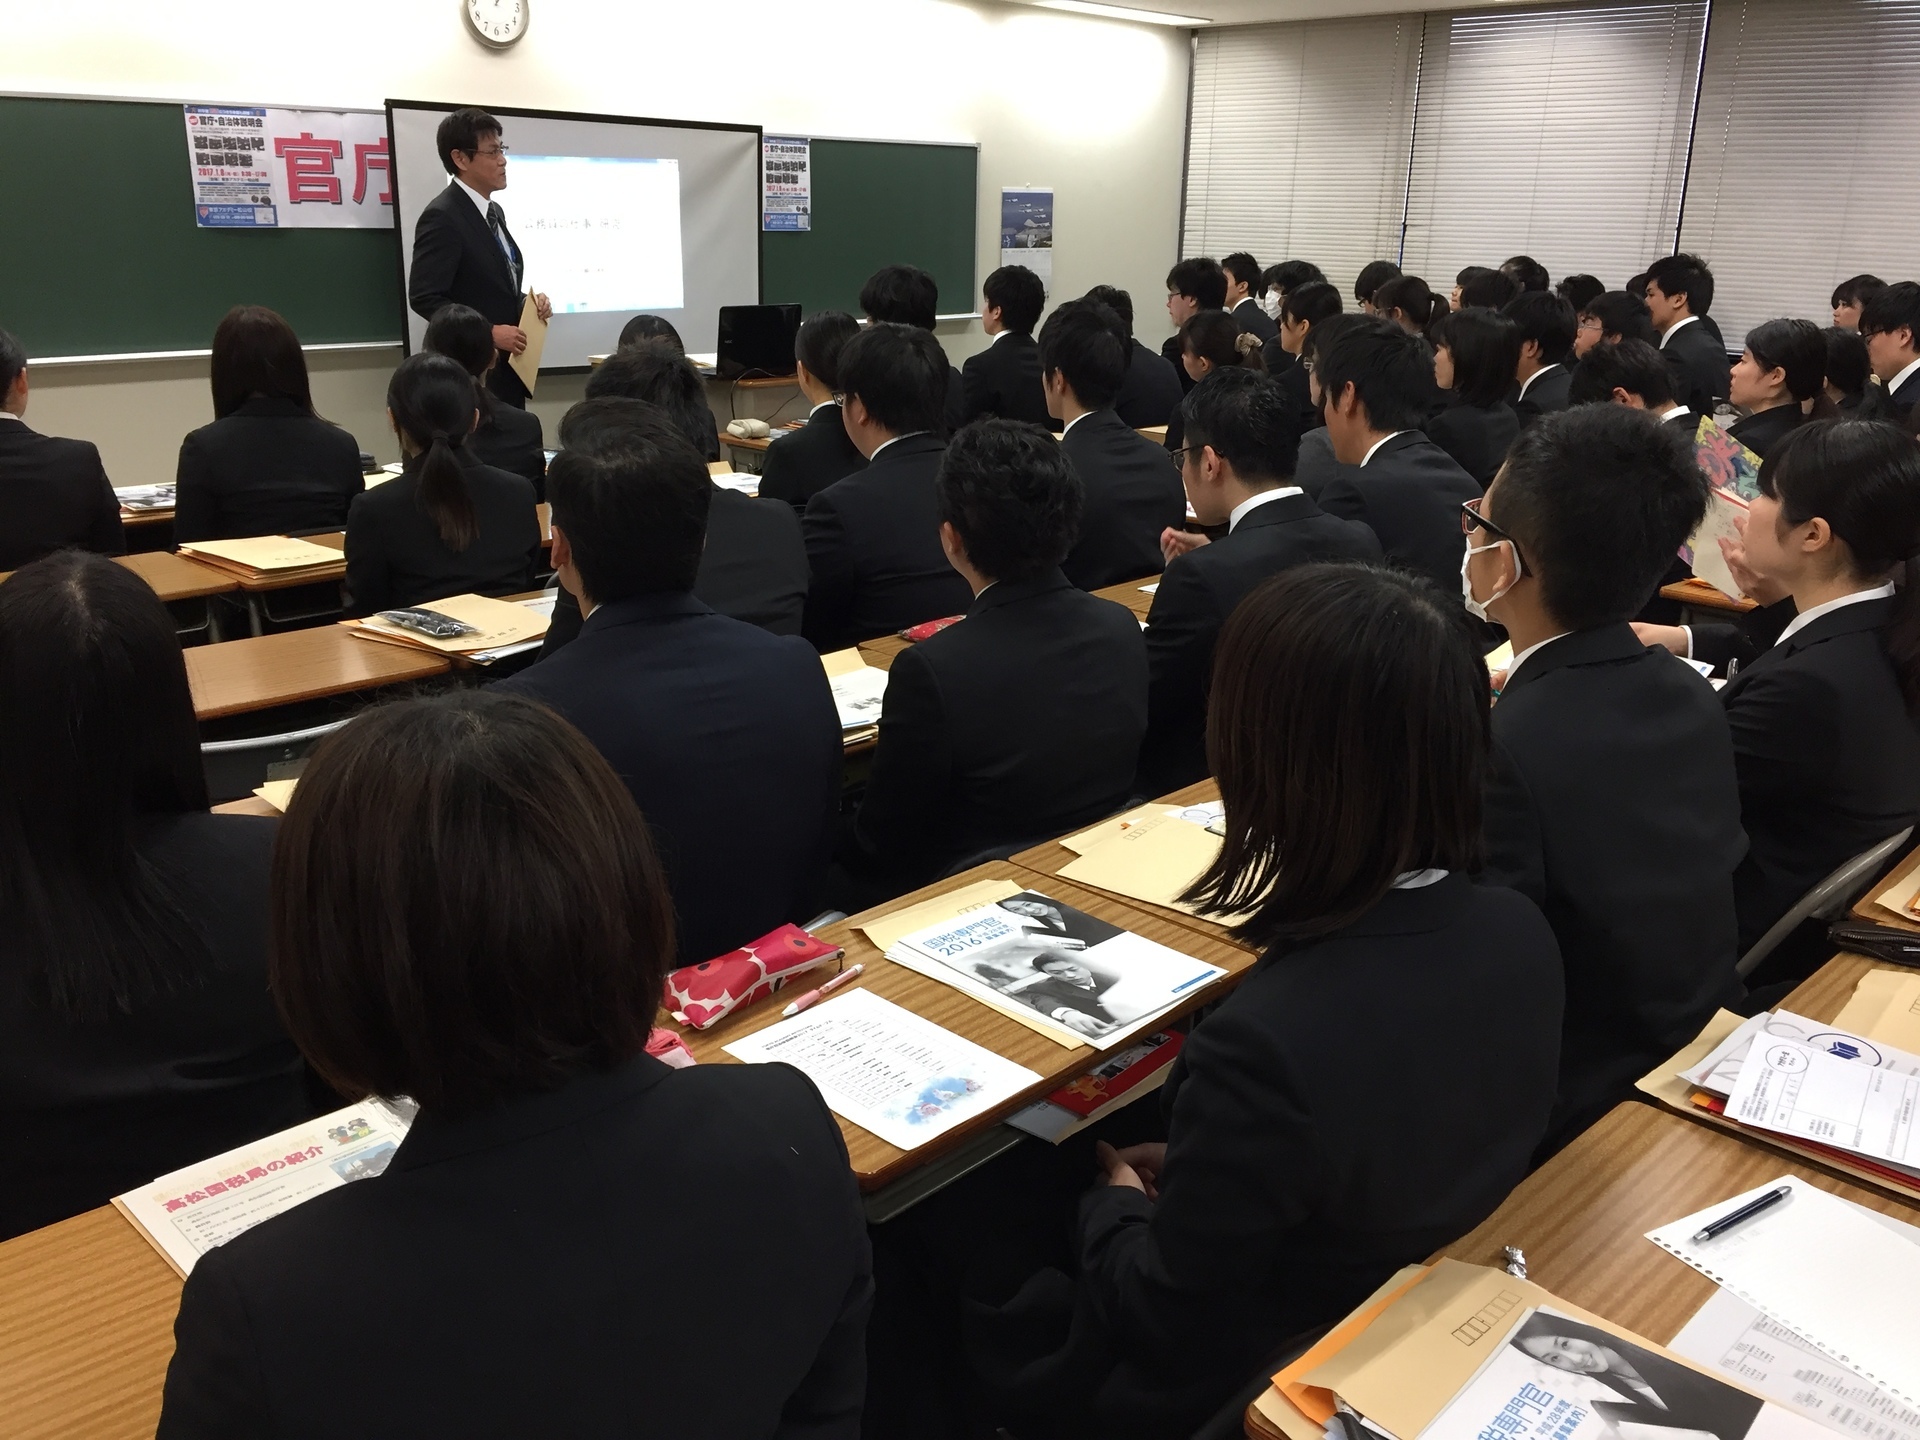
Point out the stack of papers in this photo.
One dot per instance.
(739, 483)
(501, 627)
(145, 497)
(1726, 519)
(278, 556)
(858, 691)
(1151, 854)
(1902, 899)
(277, 793)
(1123, 1077)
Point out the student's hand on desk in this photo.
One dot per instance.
(542, 307)
(1178, 542)
(510, 338)
(1137, 1167)
(1655, 637)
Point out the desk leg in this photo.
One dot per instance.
(256, 613)
(909, 1190)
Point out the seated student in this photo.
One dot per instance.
(1277, 282)
(1824, 733)
(805, 461)
(650, 327)
(137, 1034)
(1475, 354)
(873, 539)
(1408, 302)
(1679, 292)
(1024, 720)
(739, 793)
(1130, 487)
(1610, 318)
(1526, 272)
(1305, 307)
(1374, 379)
(656, 369)
(1239, 460)
(1890, 324)
(1467, 276)
(53, 493)
(1783, 366)
(1489, 290)
(1850, 298)
(1194, 287)
(1150, 391)
(1849, 378)
(1208, 342)
(908, 295)
(474, 918)
(1317, 467)
(1612, 803)
(1546, 325)
(1372, 276)
(446, 525)
(1004, 378)
(1243, 296)
(507, 437)
(1579, 291)
(1632, 373)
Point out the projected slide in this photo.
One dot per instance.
(598, 233)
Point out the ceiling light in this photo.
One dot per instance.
(1121, 12)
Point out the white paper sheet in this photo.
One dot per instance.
(1720, 1070)
(858, 695)
(1790, 1087)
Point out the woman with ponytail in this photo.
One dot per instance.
(447, 524)
(1783, 367)
(507, 438)
(1210, 341)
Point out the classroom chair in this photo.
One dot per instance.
(234, 768)
(1831, 897)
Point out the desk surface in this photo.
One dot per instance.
(879, 653)
(1702, 596)
(238, 676)
(174, 577)
(134, 519)
(1131, 595)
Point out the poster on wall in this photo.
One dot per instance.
(1026, 231)
(257, 168)
(786, 183)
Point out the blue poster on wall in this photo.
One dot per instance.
(1026, 231)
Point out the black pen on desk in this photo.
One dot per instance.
(1745, 1213)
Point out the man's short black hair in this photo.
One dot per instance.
(1895, 307)
(1087, 344)
(1847, 364)
(1485, 346)
(1323, 333)
(1637, 285)
(1020, 295)
(1389, 368)
(13, 359)
(1289, 275)
(463, 130)
(1312, 302)
(1471, 272)
(901, 295)
(1244, 268)
(650, 327)
(1633, 366)
(1009, 491)
(822, 337)
(1856, 291)
(1621, 313)
(1597, 499)
(1527, 272)
(657, 372)
(1116, 300)
(899, 373)
(1489, 290)
(631, 496)
(1201, 280)
(1684, 274)
(1546, 319)
(1373, 275)
(1579, 290)
(1244, 416)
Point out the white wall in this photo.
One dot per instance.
(1093, 107)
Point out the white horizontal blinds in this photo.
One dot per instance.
(1803, 163)
(1560, 134)
(1298, 148)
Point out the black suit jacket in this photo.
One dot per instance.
(53, 493)
(1296, 384)
(1878, 403)
(1278, 358)
(1828, 759)
(269, 468)
(456, 261)
(1254, 321)
(1004, 380)
(511, 439)
(1409, 495)
(1133, 492)
(1197, 593)
(1316, 467)
(803, 462)
(517, 1259)
(955, 410)
(1476, 436)
(396, 558)
(1149, 391)
(873, 545)
(1170, 351)
(1701, 372)
(1612, 805)
(1547, 393)
(1764, 429)
(1021, 722)
(730, 742)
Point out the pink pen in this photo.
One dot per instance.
(852, 972)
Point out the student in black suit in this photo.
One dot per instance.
(1024, 720)
(658, 371)
(1850, 298)
(1487, 290)
(1243, 296)
(136, 1031)
(1373, 380)
(1608, 319)
(1409, 302)
(1317, 468)
(1194, 286)
(908, 295)
(1528, 273)
(1890, 324)
(446, 525)
(873, 539)
(1278, 282)
(1130, 486)
(1211, 342)
(1372, 276)
(1306, 306)
(650, 327)
(1241, 444)
(1004, 378)
(1150, 391)
(726, 735)
(803, 462)
(1612, 804)
(1783, 365)
(1546, 324)
(1475, 353)
(1679, 293)
(463, 253)
(1578, 290)
(1631, 373)
(53, 493)
(507, 437)
(1849, 378)
(472, 916)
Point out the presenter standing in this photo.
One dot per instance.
(463, 253)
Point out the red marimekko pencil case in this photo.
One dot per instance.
(698, 995)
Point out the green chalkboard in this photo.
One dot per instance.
(99, 254)
(878, 203)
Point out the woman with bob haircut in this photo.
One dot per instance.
(468, 911)
(1783, 367)
(1476, 353)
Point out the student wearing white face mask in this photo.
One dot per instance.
(1612, 804)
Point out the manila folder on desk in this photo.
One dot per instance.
(527, 363)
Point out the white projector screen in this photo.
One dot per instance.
(614, 217)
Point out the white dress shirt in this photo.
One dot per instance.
(1675, 328)
(1254, 502)
(1513, 667)
(823, 405)
(1418, 879)
(1377, 444)
(895, 441)
(475, 196)
(1903, 376)
(1535, 376)
(9, 415)
(1073, 422)
(1807, 617)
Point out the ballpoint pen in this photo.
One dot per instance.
(852, 972)
(1744, 1213)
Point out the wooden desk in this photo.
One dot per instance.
(1702, 596)
(879, 652)
(240, 676)
(135, 519)
(1865, 909)
(1131, 595)
(178, 577)
(759, 445)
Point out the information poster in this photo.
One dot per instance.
(786, 183)
(257, 168)
(1026, 231)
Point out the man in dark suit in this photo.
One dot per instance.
(1612, 803)
(1024, 720)
(1890, 324)
(1679, 293)
(803, 462)
(1631, 373)
(53, 493)
(908, 295)
(1374, 379)
(463, 253)
(1243, 296)
(1149, 390)
(1547, 325)
(1192, 286)
(1131, 486)
(1241, 447)
(873, 539)
(727, 736)
(1004, 378)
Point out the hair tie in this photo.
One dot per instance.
(441, 437)
(1246, 342)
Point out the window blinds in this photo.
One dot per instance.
(1298, 141)
(1802, 155)
(1560, 134)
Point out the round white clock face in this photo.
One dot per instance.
(498, 23)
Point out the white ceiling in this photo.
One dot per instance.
(1259, 12)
